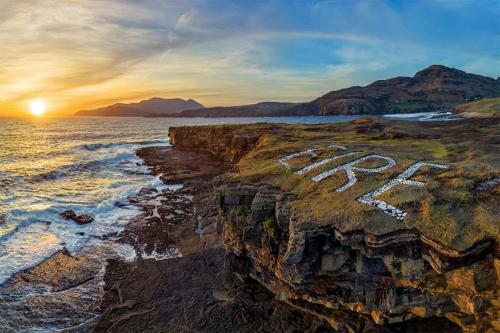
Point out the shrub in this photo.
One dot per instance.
(270, 225)
(243, 210)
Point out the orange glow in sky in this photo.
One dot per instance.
(93, 53)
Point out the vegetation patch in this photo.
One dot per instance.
(270, 225)
(456, 206)
(489, 106)
(243, 211)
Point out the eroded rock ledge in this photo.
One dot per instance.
(221, 141)
(354, 279)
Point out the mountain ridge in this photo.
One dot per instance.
(155, 105)
(435, 88)
(262, 109)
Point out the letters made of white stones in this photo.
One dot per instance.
(369, 198)
(349, 168)
(310, 152)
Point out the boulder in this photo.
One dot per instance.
(68, 215)
(83, 219)
(79, 219)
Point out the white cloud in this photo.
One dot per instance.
(185, 19)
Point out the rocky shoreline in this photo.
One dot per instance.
(176, 280)
(192, 292)
(221, 248)
(346, 281)
(357, 279)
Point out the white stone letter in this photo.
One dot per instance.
(349, 167)
(310, 152)
(402, 178)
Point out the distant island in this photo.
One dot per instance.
(436, 88)
(154, 106)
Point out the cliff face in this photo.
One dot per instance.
(354, 281)
(371, 274)
(229, 143)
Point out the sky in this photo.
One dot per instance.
(83, 54)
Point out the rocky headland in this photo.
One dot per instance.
(367, 226)
(364, 225)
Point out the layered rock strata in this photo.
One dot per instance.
(353, 280)
(224, 142)
(187, 290)
(356, 280)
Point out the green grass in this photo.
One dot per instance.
(270, 225)
(409, 106)
(488, 105)
(449, 208)
(243, 211)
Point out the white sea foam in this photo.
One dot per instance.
(167, 254)
(27, 248)
(92, 181)
(424, 116)
(88, 165)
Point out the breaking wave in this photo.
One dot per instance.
(97, 146)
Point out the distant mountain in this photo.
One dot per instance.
(153, 106)
(252, 110)
(436, 88)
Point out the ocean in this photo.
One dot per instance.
(88, 165)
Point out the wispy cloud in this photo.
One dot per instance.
(80, 54)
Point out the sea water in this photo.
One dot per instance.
(88, 165)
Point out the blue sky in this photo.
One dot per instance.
(78, 54)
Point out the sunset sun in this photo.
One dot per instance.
(260, 165)
(37, 107)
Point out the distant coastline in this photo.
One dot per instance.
(435, 89)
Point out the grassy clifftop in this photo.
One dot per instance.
(456, 206)
(483, 108)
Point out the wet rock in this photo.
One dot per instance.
(68, 214)
(79, 219)
(61, 271)
(83, 219)
(147, 191)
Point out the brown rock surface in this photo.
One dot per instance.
(61, 271)
(191, 293)
(79, 219)
(354, 279)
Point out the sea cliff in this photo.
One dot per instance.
(356, 250)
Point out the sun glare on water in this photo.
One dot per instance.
(37, 107)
